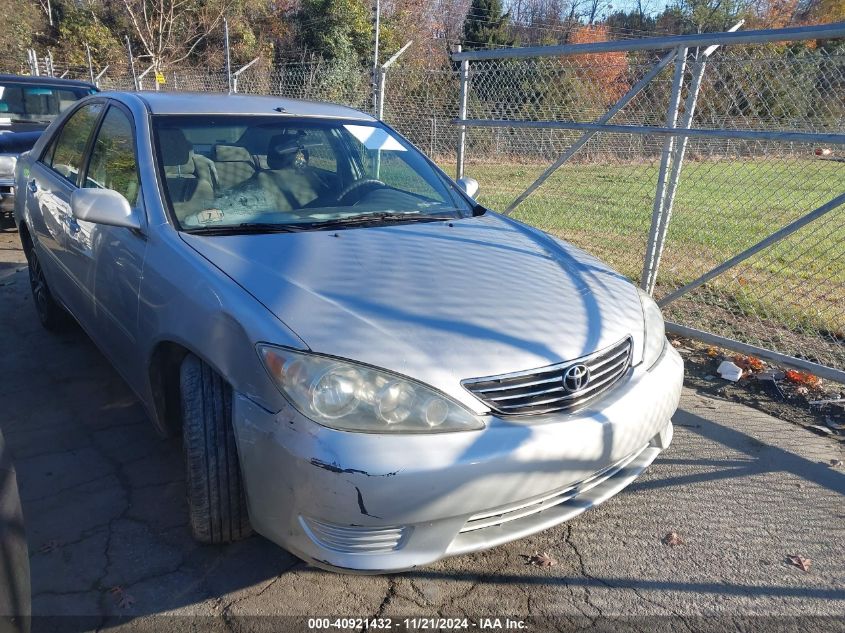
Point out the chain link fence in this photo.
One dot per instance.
(729, 193)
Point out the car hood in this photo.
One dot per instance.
(439, 302)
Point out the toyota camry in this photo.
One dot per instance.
(364, 364)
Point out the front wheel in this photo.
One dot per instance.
(216, 498)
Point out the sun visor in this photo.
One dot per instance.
(374, 138)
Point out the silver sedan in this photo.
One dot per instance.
(365, 365)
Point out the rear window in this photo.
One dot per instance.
(31, 102)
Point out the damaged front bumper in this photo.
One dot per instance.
(374, 503)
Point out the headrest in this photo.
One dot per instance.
(188, 169)
(286, 151)
(232, 154)
(175, 148)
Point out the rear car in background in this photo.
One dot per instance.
(27, 106)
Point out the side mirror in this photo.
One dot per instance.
(469, 185)
(103, 206)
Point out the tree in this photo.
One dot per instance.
(486, 25)
(78, 25)
(169, 31)
(336, 29)
(606, 73)
(826, 11)
(703, 16)
(22, 23)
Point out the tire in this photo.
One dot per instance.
(52, 316)
(216, 499)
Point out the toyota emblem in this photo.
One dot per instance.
(576, 378)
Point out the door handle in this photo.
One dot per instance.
(32, 186)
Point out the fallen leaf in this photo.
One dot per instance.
(802, 378)
(835, 463)
(542, 560)
(712, 352)
(673, 538)
(676, 343)
(749, 363)
(800, 562)
(124, 600)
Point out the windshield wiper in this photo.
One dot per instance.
(246, 228)
(377, 218)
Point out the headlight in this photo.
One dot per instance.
(655, 330)
(351, 397)
(7, 165)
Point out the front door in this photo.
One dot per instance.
(111, 258)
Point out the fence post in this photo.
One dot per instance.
(228, 53)
(376, 74)
(131, 63)
(433, 136)
(237, 74)
(97, 78)
(33, 62)
(49, 63)
(679, 153)
(382, 79)
(90, 64)
(462, 115)
(647, 279)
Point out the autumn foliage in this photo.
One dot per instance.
(607, 71)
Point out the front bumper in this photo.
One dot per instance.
(374, 503)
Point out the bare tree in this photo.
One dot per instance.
(47, 9)
(169, 31)
(593, 8)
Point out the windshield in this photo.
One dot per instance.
(269, 173)
(40, 104)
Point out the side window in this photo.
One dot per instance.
(66, 154)
(113, 164)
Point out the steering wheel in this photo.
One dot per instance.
(353, 186)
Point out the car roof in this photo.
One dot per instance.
(205, 103)
(45, 81)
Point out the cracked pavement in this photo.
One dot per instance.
(107, 526)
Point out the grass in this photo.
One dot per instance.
(721, 208)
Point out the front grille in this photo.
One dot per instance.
(543, 390)
(353, 538)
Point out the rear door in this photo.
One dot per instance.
(52, 180)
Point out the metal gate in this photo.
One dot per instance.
(741, 300)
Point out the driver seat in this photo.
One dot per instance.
(289, 178)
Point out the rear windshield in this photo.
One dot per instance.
(31, 102)
(221, 171)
